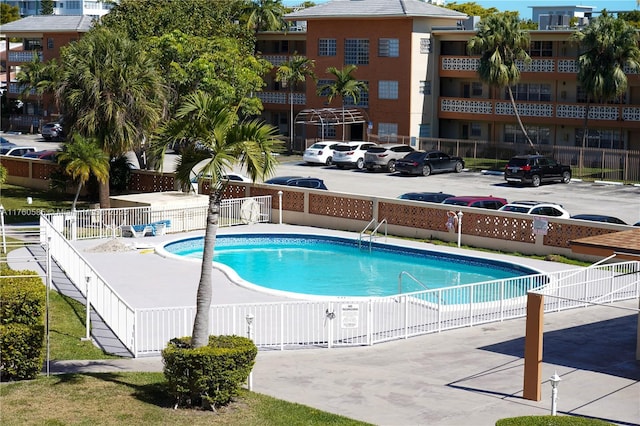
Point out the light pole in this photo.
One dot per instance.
(249, 319)
(555, 379)
(280, 205)
(460, 214)
(88, 311)
(4, 237)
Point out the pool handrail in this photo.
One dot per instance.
(373, 232)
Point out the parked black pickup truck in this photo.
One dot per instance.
(535, 169)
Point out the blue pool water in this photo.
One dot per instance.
(333, 266)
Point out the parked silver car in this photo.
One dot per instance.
(385, 156)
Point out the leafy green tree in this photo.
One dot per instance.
(8, 13)
(296, 70)
(228, 142)
(46, 7)
(221, 66)
(140, 20)
(606, 45)
(345, 86)
(81, 158)
(111, 91)
(501, 44)
(632, 17)
(471, 9)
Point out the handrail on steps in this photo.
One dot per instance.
(423, 285)
(373, 233)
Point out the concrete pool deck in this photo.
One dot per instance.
(464, 376)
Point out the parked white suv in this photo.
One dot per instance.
(351, 154)
(320, 153)
(16, 151)
(536, 208)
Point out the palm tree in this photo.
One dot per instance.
(607, 45)
(225, 142)
(502, 44)
(295, 70)
(263, 15)
(81, 158)
(37, 78)
(111, 91)
(345, 86)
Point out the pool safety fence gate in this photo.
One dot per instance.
(106, 223)
(343, 321)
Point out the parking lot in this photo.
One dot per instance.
(622, 201)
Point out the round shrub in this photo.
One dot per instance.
(209, 376)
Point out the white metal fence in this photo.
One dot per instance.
(104, 223)
(343, 321)
(348, 322)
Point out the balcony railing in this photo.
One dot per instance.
(16, 88)
(542, 65)
(282, 97)
(24, 56)
(539, 109)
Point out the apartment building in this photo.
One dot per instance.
(43, 36)
(91, 8)
(423, 83)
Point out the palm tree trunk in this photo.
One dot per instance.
(585, 131)
(515, 110)
(103, 191)
(200, 335)
(75, 199)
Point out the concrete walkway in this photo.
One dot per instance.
(465, 376)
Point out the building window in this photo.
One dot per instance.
(476, 89)
(32, 44)
(364, 98)
(50, 43)
(387, 89)
(602, 139)
(425, 46)
(356, 51)
(327, 47)
(530, 92)
(325, 92)
(425, 131)
(541, 49)
(388, 131)
(476, 130)
(425, 87)
(389, 47)
(538, 135)
(329, 132)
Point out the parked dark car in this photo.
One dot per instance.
(385, 156)
(599, 218)
(299, 181)
(6, 142)
(46, 154)
(426, 162)
(429, 197)
(488, 202)
(536, 169)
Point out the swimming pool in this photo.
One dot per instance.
(335, 266)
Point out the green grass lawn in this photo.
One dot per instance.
(17, 209)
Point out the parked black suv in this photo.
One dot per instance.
(299, 181)
(535, 169)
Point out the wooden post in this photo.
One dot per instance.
(533, 347)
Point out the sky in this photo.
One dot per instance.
(522, 6)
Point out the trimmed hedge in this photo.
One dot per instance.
(210, 376)
(21, 324)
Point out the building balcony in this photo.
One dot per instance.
(22, 56)
(453, 66)
(282, 98)
(501, 110)
(15, 88)
(276, 60)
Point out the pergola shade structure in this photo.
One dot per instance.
(331, 117)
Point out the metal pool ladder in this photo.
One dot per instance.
(373, 233)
